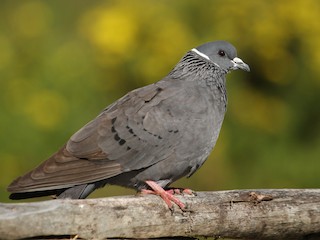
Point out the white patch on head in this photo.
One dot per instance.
(200, 53)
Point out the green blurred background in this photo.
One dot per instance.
(62, 62)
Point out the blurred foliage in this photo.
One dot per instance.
(61, 62)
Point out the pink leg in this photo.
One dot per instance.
(167, 196)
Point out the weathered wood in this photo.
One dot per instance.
(249, 214)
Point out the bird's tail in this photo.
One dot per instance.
(76, 192)
(25, 195)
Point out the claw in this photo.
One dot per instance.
(166, 195)
(189, 192)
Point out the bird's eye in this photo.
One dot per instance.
(221, 53)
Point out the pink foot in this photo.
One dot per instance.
(167, 195)
(180, 191)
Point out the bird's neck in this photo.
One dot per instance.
(192, 68)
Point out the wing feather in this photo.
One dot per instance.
(133, 133)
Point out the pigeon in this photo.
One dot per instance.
(146, 140)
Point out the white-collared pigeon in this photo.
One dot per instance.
(147, 139)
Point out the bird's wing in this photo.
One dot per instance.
(135, 132)
(137, 126)
(62, 170)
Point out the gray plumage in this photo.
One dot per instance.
(160, 132)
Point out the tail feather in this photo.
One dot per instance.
(24, 195)
(76, 192)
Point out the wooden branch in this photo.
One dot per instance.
(249, 214)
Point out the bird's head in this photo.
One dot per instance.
(222, 54)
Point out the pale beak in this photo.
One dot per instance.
(239, 64)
